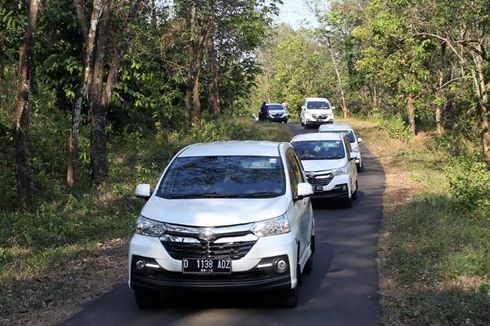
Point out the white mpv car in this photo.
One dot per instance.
(329, 164)
(346, 129)
(224, 216)
(316, 111)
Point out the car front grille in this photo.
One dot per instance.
(322, 180)
(233, 250)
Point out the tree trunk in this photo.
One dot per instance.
(345, 108)
(411, 114)
(482, 86)
(73, 141)
(190, 73)
(80, 9)
(26, 67)
(97, 112)
(440, 107)
(213, 102)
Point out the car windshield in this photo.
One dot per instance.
(319, 149)
(319, 105)
(274, 107)
(223, 177)
(348, 133)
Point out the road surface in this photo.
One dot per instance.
(342, 290)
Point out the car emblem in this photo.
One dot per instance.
(206, 234)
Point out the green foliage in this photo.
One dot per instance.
(397, 128)
(469, 185)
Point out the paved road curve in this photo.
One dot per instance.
(342, 290)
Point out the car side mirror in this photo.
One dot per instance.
(333, 108)
(353, 156)
(303, 107)
(143, 191)
(359, 140)
(304, 190)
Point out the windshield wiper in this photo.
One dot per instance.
(198, 195)
(265, 194)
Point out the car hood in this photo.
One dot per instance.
(214, 211)
(322, 165)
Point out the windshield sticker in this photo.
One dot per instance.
(272, 161)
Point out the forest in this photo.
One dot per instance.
(97, 95)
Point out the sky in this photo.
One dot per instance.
(296, 13)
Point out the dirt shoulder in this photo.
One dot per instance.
(52, 298)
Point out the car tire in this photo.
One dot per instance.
(347, 202)
(354, 195)
(309, 263)
(146, 299)
(290, 296)
(360, 167)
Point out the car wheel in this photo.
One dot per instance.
(309, 263)
(354, 195)
(360, 167)
(301, 122)
(347, 202)
(290, 296)
(146, 299)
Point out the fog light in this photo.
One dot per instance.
(280, 266)
(140, 264)
(344, 188)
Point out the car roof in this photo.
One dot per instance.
(273, 104)
(317, 136)
(322, 99)
(335, 127)
(232, 148)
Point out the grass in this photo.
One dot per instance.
(434, 257)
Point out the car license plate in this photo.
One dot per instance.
(206, 266)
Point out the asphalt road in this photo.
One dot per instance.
(342, 290)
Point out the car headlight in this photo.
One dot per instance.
(340, 171)
(274, 226)
(151, 228)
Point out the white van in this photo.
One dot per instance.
(329, 164)
(316, 111)
(226, 216)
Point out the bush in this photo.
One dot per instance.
(397, 128)
(469, 186)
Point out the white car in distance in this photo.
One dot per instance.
(226, 216)
(344, 128)
(316, 111)
(329, 164)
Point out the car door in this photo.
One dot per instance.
(351, 163)
(302, 207)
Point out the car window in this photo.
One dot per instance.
(320, 105)
(294, 170)
(223, 177)
(319, 149)
(348, 133)
(274, 107)
(347, 146)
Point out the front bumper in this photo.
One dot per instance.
(337, 192)
(278, 119)
(247, 272)
(313, 121)
(333, 187)
(256, 279)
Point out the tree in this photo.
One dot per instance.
(26, 84)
